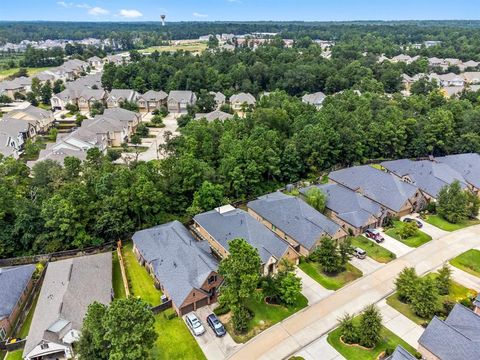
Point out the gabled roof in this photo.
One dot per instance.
(294, 217)
(225, 224)
(386, 189)
(314, 99)
(218, 96)
(180, 95)
(180, 262)
(214, 115)
(121, 114)
(13, 281)
(401, 354)
(243, 98)
(125, 94)
(13, 127)
(456, 338)
(466, 164)
(152, 95)
(31, 113)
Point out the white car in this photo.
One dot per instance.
(194, 324)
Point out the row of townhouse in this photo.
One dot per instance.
(433, 61)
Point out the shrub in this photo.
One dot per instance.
(170, 314)
(467, 302)
(348, 329)
(444, 280)
(448, 306)
(370, 326)
(407, 230)
(406, 283)
(221, 310)
(425, 299)
(241, 317)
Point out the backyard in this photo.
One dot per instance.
(330, 282)
(376, 252)
(468, 261)
(118, 288)
(440, 222)
(417, 240)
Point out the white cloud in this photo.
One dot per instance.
(70, 5)
(130, 13)
(64, 4)
(96, 11)
(196, 14)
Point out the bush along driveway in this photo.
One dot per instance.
(416, 240)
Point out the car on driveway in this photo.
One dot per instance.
(216, 325)
(418, 223)
(194, 324)
(359, 253)
(374, 234)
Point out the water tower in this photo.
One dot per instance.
(163, 19)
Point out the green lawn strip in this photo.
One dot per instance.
(140, 282)
(23, 332)
(14, 355)
(457, 293)
(118, 287)
(389, 340)
(469, 262)
(414, 241)
(131, 149)
(265, 316)
(330, 282)
(376, 252)
(438, 221)
(174, 340)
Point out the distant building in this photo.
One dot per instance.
(179, 101)
(315, 99)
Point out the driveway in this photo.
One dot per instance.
(320, 350)
(213, 347)
(468, 280)
(395, 246)
(400, 325)
(367, 265)
(429, 229)
(311, 289)
(291, 335)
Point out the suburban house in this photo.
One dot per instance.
(95, 62)
(17, 128)
(353, 211)
(152, 100)
(449, 79)
(183, 268)
(20, 85)
(294, 220)
(10, 146)
(131, 118)
(90, 96)
(472, 77)
(237, 101)
(59, 154)
(404, 58)
(118, 96)
(214, 115)
(219, 98)
(115, 130)
(315, 99)
(455, 338)
(470, 64)
(401, 354)
(396, 196)
(226, 223)
(15, 285)
(468, 165)
(68, 288)
(179, 101)
(84, 87)
(41, 119)
(429, 176)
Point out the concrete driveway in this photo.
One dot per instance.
(311, 289)
(367, 265)
(320, 350)
(395, 246)
(429, 229)
(468, 280)
(153, 143)
(213, 347)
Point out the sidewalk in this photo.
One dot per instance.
(468, 280)
(320, 350)
(312, 290)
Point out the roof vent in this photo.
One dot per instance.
(224, 209)
(174, 264)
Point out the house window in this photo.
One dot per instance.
(212, 279)
(44, 346)
(193, 294)
(3, 334)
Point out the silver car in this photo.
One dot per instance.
(194, 324)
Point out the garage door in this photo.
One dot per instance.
(202, 302)
(186, 309)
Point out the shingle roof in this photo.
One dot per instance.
(13, 281)
(456, 338)
(126, 94)
(179, 262)
(121, 114)
(13, 127)
(214, 115)
(350, 206)
(314, 99)
(294, 217)
(154, 95)
(401, 354)
(466, 164)
(243, 98)
(180, 95)
(386, 189)
(238, 224)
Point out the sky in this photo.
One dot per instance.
(238, 10)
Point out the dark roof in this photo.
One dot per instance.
(350, 206)
(180, 262)
(466, 164)
(401, 354)
(456, 338)
(294, 217)
(386, 189)
(227, 223)
(13, 281)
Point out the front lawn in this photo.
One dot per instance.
(265, 315)
(140, 282)
(414, 241)
(15, 355)
(440, 222)
(376, 252)
(389, 340)
(468, 261)
(330, 282)
(118, 288)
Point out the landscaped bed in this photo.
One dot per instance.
(330, 282)
(441, 223)
(469, 262)
(376, 252)
(414, 241)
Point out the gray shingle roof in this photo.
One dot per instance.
(314, 99)
(294, 217)
(401, 354)
(181, 96)
(386, 189)
(13, 127)
(351, 207)
(180, 263)
(237, 224)
(152, 95)
(427, 175)
(13, 281)
(466, 164)
(214, 115)
(456, 338)
(243, 98)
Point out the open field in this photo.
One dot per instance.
(31, 71)
(195, 46)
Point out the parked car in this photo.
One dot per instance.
(359, 253)
(194, 324)
(216, 325)
(419, 224)
(374, 234)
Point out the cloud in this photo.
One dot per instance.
(130, 13)
(235, 1)
(196, 14)
(69, 5)
(96, 11)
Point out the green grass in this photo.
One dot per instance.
(414, 241)
(265, 316)
(14, 355)
(28, 320)
(376, 252)
(469, 262)
(438, 221)
(118, 287)
(330, 282)
(131, 149)
(140, 282)
(31, 71)
(389, 340)
(192, 47)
